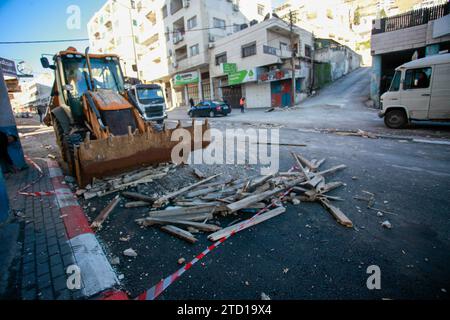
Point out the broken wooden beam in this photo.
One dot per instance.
(138, 197)
(97, 224)
(199, 174)
(246, 224)
(337, 213)
(179, 233)
(331, 186)
(136, 204)
(164, 199)
(246, 202)
(332, 170)
(199, 226)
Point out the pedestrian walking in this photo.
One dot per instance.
(191, 102)
(40, 114)
(242, 103)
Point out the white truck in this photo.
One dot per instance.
(420, 90)
(150, 100)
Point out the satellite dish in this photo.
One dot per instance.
(24, 69)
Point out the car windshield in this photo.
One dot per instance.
(219, 102)
(106, 74)
(150, 94)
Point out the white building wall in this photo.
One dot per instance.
(258, 95)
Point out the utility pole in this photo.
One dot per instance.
(293, 85)
(133, 6)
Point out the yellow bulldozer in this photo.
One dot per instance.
(98, 128)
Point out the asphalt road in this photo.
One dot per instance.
(304, 253)
(341, 105)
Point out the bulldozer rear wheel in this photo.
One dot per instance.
(71, 142)
(59, 133)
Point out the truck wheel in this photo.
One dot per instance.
(395, 119)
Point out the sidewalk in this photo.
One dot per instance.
(54, 235)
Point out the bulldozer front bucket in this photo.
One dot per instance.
(119, 154)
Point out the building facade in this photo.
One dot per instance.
(113, 29)
(256, 63)
(402, 38)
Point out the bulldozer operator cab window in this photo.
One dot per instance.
(106, 74)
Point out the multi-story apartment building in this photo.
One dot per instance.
(113, 29)
(256, 63)
(329, 19)
(192, 28)
(173, 38)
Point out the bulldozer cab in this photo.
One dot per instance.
(106, 75)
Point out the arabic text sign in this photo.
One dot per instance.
(8, 67)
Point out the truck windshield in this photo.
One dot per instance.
(147, 95)
(395, 84)
(105, 72)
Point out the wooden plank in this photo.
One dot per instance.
(97, 224)
(161, 201)
(314, 181)
(331, 186)
(179, 233)
(138, 197)
(202, 192)
(300, 166)
(183, 211)
(246, 224)
(306, 162)
(337, 214)
(197, 217)
(246, 202)
(332, 170)
(199, 174)
(136, 204)
(167, 221)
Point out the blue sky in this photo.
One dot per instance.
(28, 20)
(24, 20)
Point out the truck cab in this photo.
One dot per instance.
(150, 100)
(420, 90)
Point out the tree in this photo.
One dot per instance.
(357, 16)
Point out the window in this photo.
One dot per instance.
(194, 50)
(192, 23)
(307, 51)
(236, 28)
(219, 23)
(249, 50)
(164, 12)
(221, 58)
(283, 46)
(395, 85)
(261, 9)
(417, 78)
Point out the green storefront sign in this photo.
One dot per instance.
(242, 77)
(229, 68)
(186, 78)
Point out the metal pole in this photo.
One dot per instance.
(293, 91)
(133, 39)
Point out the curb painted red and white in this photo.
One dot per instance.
(97, 275)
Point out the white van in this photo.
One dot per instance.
(420, 90)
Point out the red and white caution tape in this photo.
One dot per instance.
(160, 287)
(41, 175)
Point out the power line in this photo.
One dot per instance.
(42, 41)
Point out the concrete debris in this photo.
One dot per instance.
(130, 253)
(181, 261)
(115, 261)
(386, 224)
(265, 297)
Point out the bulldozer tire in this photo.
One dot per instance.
(59, 133)
(71, 142)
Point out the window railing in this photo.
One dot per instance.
(412, 18)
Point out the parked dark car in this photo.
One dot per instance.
(210, 108)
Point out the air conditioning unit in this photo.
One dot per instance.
(211, 45)
(175, 65)
(235, 7)
(186, 3)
